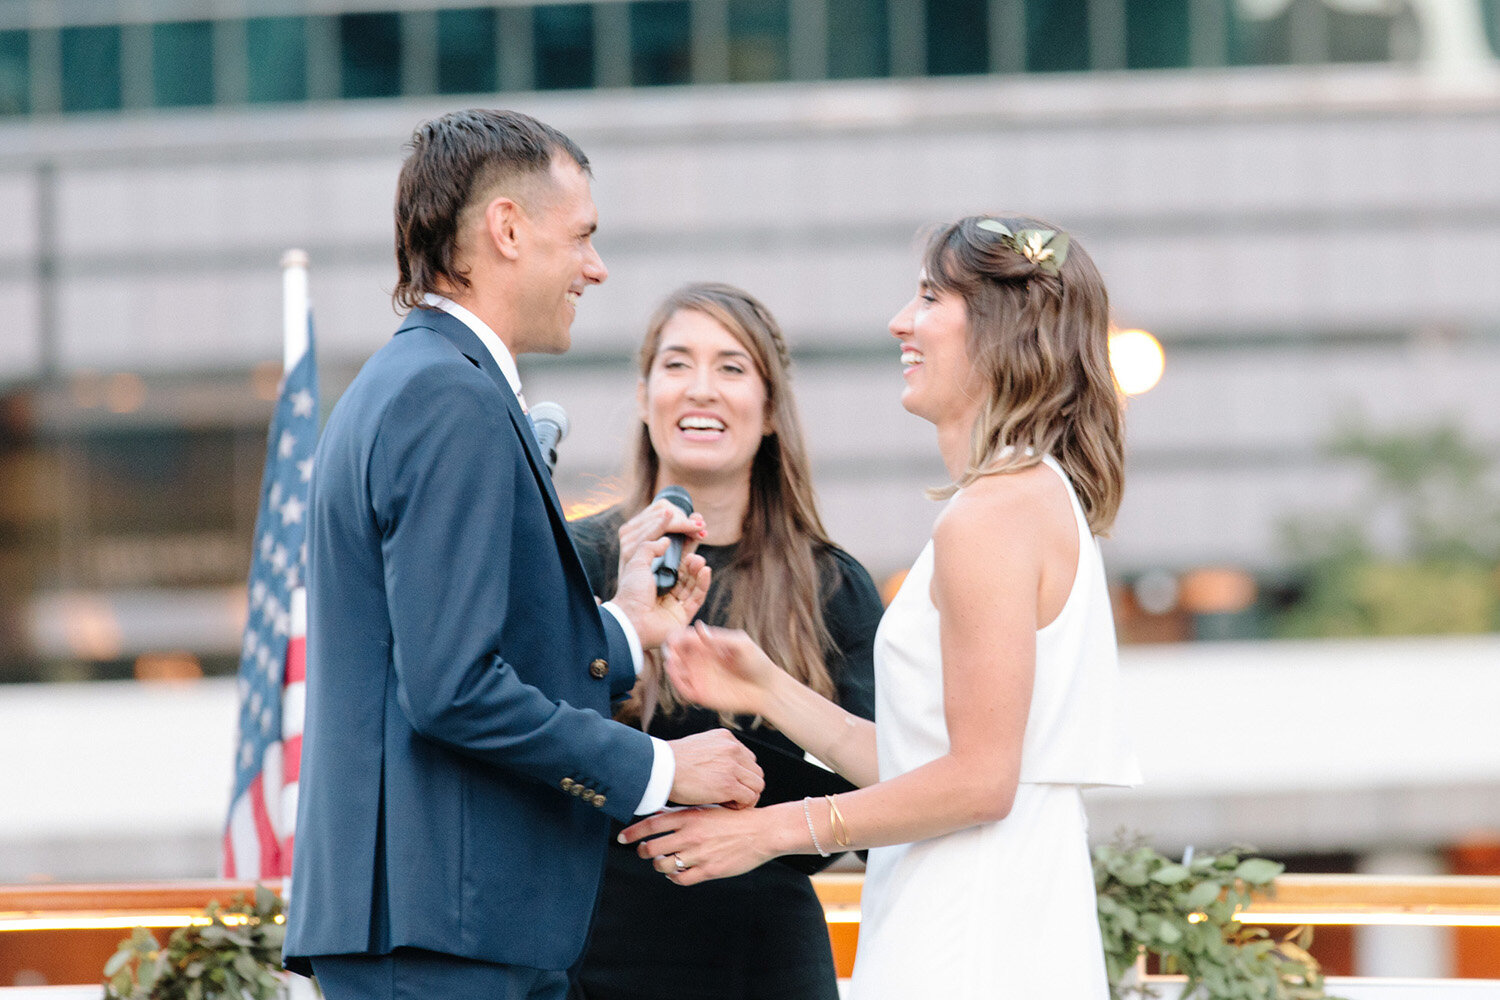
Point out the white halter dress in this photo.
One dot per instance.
(1003, 909)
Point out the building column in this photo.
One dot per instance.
(1402, 951)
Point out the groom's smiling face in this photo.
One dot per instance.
(556, 231)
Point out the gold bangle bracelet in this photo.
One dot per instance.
(841, 835)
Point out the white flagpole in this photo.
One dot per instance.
(294, 298)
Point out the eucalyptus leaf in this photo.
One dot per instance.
(149, 972)
(1170, 874)
(1259, 871)
(1201, 895)
(994, 226)
(117, 961)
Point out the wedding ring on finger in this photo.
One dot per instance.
(677, 863)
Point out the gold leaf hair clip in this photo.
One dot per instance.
(1046, 248)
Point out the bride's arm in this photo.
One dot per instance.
(988, 555)
(726, 670)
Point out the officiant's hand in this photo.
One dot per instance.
(689, 846)
(655, 617)
(722, 669)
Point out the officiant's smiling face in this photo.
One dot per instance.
(704, 401)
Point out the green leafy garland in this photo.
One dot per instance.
(235, 956)
(1185, 914)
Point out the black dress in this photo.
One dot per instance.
(757, 936)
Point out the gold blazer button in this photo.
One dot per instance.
(598, 669)
(567, 784)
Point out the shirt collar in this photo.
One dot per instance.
(486, 336)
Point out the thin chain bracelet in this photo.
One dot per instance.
(807, 815)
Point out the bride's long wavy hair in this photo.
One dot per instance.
(772, 589)
(1041, 342)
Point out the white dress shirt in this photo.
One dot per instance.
(664, 764)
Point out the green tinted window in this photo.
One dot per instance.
(276, 54)
(957, 37)
(859, 39)
(759, 45)
(466, 51)
(1156, 34)
(564, 46)
(91, 68)
(661, 43)
(1057, 35)
(182, 63)
(1357, 37)
(15, 72)
(370, 55)
(1259, 41)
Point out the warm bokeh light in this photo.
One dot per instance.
(124, 392)
(890, 586)
(1216, 590)
(265, 380)
(170, 667)
(1137, 360)
(605, 494)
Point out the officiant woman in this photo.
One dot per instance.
(717, 417)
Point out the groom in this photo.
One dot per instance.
(459, 768)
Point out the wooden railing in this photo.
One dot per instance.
(64, 933)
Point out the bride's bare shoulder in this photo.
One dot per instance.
(1004, 503)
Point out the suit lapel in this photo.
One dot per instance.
(456, 332)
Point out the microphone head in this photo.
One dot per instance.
(551, 413)
(677, 497)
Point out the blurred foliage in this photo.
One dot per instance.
(1436, 570)
(235, 956)
(1185, 915)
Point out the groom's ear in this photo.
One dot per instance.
(503, 219)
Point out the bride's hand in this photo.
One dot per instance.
(721, 669)
(694, 845)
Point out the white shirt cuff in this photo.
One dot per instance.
(637, 657)
(663, 773)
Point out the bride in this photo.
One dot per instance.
(997, 692)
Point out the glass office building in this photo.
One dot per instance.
(1245, 170)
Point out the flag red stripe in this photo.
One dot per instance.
(270, 846)
(291, 760)
(296, 659)
(229, 868)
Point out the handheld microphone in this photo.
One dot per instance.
(666, 565)
(549, 423)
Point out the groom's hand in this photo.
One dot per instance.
(715, 768)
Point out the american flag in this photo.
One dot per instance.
(272, 677)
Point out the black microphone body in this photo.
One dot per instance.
(666, 565)
(549, 423)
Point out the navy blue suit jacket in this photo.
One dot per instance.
(452, 697)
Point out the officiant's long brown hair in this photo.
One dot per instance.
(772, 589)
(1039, 335)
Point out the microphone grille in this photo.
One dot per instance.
(677, 497)
(553, 413)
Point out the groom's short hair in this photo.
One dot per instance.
(455, 162)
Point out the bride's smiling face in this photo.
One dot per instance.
(703, 401)
(942, 384)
